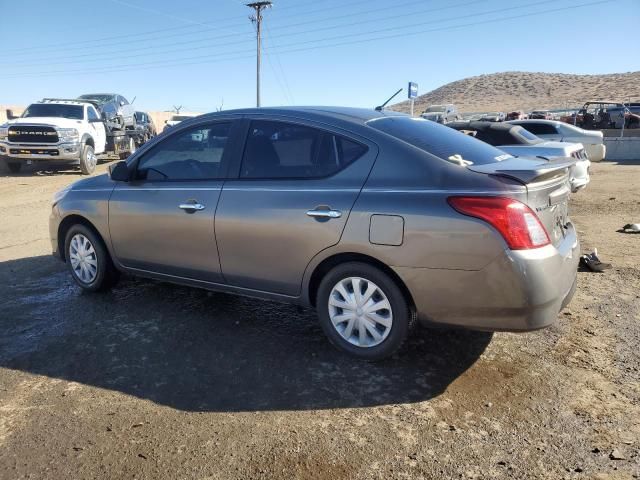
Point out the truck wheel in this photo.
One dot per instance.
(14, 167)
(88, 160)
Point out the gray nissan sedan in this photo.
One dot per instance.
(374, 218)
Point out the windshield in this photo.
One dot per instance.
(438, 140)
(98, 97)
(73, 112)
(435, 109)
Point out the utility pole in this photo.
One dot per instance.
(258, 7)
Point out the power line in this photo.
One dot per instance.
(284, 76)
(162, 14)
(87, 44)
(129, 54)
(283, 84)
(93, 57)
(316, 46)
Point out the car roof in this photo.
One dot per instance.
(62, 101)
(347, 114)
(535, 120)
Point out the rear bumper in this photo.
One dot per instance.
(518, 291)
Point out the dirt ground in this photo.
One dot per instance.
(158, 381)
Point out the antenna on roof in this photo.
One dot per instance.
(379, 108)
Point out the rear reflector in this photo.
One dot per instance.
(515, 221)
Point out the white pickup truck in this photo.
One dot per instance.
(57, 130)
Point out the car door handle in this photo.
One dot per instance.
(324, 213)
(191, 207)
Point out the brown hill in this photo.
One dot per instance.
(528, 91)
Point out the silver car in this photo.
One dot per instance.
(553, 130)
(374, 218)
(517, 141)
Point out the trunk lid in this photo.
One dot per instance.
(548, 188)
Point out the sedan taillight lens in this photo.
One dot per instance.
(515, 221)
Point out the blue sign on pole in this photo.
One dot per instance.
(413, 89)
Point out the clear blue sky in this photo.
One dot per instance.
(330, 52)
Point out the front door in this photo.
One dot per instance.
(162, 221)
(96, 126)
(296, 187)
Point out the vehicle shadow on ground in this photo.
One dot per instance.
(200, 351)
(45, 170)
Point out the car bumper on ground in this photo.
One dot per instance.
(520, 290)
(579, 175)
(596, 152)
(51, 153)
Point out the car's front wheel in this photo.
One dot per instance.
(88, 259)
(363, 311)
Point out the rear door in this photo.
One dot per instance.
(295, 187)
(162, 221)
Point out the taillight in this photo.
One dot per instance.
(515, 221)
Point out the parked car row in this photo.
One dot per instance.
(519, 142)
(383, 219)
(441, 113)
(593, 115)
(605, 115)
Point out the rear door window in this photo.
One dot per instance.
(286, 150)
(438, 140)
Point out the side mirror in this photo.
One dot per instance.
(166, 121)
(119, 172)
(121, 103)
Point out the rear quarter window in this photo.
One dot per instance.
(441, 141)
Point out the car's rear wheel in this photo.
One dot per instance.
(14, 167)
(363, 311)
(88, 259)
(88, 160)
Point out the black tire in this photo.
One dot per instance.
(106, 275)
(88, 160)
(403, 317)
(14, 167)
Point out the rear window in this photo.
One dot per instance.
(438, 140)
